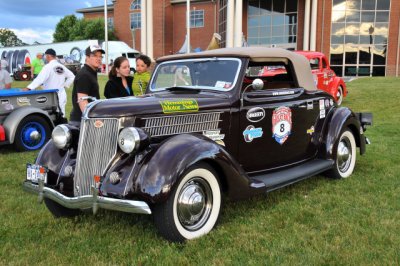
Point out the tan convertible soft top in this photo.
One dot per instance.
(259, 54)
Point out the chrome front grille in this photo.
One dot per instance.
(178, 124)
(97, 146)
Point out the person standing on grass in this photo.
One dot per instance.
(142, 76)
(120, 82)
(37, 65)
(54, 76)
(86, 83)
(5, 79)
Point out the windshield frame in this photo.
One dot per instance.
(206, 88)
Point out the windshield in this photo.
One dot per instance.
(204, 73)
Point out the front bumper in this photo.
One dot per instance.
(93, 201)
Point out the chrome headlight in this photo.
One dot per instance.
(129, 139)
(61, 136)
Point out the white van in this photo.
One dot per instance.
(20, 55)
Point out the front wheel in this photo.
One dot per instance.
(193, 208)
(345, 157)
(32, 133)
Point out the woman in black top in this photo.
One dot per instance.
(120, 81)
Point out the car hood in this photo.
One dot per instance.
(160, 103)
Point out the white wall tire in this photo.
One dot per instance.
(193, 207)
(339, 95)
(345, 156)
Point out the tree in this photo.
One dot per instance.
(8, 38)
(64, 27)
(72, 29)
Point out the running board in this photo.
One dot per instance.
(275, 180)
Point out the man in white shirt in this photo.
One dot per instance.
(5, 79)
(54, 76)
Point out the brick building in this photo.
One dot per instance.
(361, 37)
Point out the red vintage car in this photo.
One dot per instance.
(324, 76)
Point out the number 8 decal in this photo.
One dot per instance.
(281, 124)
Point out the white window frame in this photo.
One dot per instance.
(136, 5)
(137, 17)
(195, 16)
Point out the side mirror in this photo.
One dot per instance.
(257, 84)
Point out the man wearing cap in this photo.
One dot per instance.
(85, 83)
(54, 76)
(5, 79)
(37, 65)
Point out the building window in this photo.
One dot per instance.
(110, 23)
(222, 21)
(136, 20)
(196, 18)
(272, 23)
(359, 34)
(135, 5)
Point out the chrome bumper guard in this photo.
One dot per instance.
(93, 201)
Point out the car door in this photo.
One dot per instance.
(328, 74)
(277, 127)
(316, 68)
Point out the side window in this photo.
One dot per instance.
(314, 63)
(275, 75)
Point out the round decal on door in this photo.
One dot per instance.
(255, 114)
(281, 124)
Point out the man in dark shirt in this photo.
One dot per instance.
(85, 83)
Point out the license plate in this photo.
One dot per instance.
(35, 172)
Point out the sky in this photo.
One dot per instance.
(35, 20)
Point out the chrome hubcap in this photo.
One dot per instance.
(339, 95)
(35, 135)
(344, 155)
(194, 204)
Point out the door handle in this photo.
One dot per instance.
(308, 105)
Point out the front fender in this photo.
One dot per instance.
(159, 171)
(12, 121)
(54, 159)
(341, 118)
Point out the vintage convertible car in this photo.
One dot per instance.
(214, 129)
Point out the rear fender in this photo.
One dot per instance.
(163, 167)
(335, 86)
(341, 118)
(12, 121)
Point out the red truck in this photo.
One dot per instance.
(324, 76)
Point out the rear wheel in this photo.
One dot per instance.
(345, 157)
(339, 95)
(76, 54)
(58, 210)
(32, 133)
(193, 207)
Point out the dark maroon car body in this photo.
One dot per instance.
(253, 135)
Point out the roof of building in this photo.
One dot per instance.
(259, 54)
(95, 9)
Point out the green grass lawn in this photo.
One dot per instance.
(355, 221)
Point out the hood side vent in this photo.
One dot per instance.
(179, 124)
